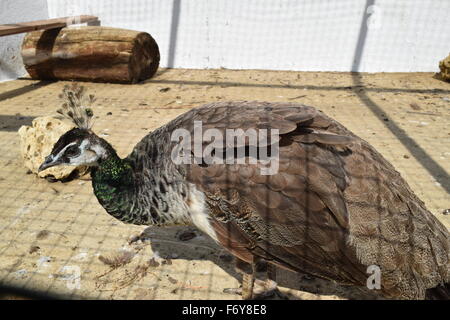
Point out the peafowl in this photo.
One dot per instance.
(334, 208)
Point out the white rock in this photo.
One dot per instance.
(37, 142)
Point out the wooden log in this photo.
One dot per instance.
(99, 54)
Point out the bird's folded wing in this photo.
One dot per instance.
(297, 217)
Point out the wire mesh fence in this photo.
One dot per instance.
(56, 240)
(54, 233)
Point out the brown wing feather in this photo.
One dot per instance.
(335, 206)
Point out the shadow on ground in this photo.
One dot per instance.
(201, 247)
(12, 123)
(22, 90)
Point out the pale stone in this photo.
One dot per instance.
(37, 142)
(444, 65)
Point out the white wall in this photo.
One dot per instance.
(14, 11)
(308, 35)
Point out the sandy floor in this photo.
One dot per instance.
(52, 234)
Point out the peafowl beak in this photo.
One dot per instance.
(49, 161)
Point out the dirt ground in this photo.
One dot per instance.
(56, 238)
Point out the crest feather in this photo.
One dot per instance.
(77, 105)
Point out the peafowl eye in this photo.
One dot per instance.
(72, 151)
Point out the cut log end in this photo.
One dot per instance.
(144, 60)
(98, 54)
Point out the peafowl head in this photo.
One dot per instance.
(80, 145)
(77, 147)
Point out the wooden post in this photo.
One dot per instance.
(15, 28)
(91, 53)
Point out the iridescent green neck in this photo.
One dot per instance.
(134, 193)
(113, 182)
